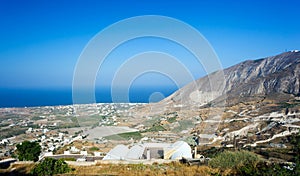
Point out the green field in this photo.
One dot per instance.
(125, 136)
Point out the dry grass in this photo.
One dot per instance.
(171, 169)
(18, 169)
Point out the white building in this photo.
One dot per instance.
(150, 151)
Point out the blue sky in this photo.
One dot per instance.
(41, 40)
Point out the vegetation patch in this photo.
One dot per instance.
(94, 148)
(69, 159)
(156, 128)
(10, 132)
(234, 160)
(28, 151)
(289, 104)
(173, 168)
(50, 166)
(172, 119)
(125, 136)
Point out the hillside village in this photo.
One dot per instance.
(61, 134)
(52, 127)
(57, 128)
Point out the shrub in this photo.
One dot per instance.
(50, 166)
(234, 160)
(94, 148)
(28, 151)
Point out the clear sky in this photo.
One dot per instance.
(41, 40)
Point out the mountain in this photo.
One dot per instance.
(276, 74)
(251, 79)
(253, 97)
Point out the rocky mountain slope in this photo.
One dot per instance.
(276, 74)
(251, 101)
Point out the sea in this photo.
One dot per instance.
(21, 97)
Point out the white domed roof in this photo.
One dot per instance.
(117, 153)
(135, 152)
(182, 149)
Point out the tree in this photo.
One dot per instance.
(28, 151)
(50, 166)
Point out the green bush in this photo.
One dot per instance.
(28, 151)
(50, 166)
(234, 160)
(94, 148)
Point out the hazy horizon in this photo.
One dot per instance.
(41, 42)
(33, 97)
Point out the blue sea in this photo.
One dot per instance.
(51, 97)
